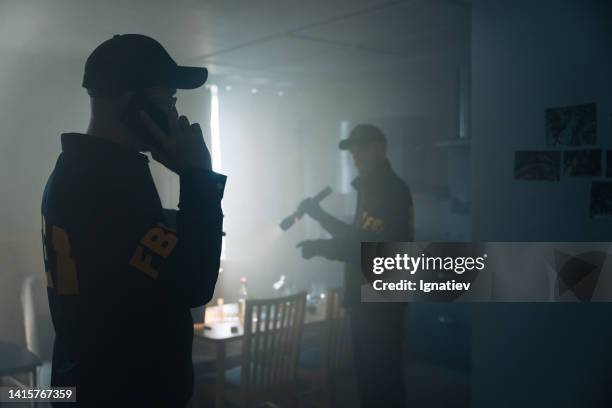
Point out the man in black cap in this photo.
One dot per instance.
(121, 276)
(384, 213)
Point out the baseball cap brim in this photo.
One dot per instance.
(188, 77)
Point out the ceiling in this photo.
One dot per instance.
(279, 41)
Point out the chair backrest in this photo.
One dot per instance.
(336, 350)
(17, 385)
(39, 331)
(271, 343)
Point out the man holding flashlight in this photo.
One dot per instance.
(384, 213)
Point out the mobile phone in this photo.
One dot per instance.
(131, 118)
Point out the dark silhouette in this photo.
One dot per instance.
(121, 278)
(384, 213)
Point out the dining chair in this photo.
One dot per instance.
(320, 365)
(270, 350)
(15, 384)
(39, 331)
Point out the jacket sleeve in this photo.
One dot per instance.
(194, 266)
(134, 250)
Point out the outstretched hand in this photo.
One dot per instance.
(310, 248)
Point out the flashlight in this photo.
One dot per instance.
(290, 220)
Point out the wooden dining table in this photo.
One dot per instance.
(220, 333)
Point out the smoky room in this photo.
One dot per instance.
(304, 204)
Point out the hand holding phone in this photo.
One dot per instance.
(141, 101)
(181, 147)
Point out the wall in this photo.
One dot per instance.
(528, 56)
(41, 97)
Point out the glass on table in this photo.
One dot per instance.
(315, 298)
(222, 312)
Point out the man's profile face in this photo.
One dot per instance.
(163, 98)
(359, 154)
(366, 156)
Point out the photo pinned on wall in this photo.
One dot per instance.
(601, 199)
(608, 163)
(537, 165)
(582, 162)
(571, 125)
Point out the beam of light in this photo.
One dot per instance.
(214, 128)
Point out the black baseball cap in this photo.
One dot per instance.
(129, 62)
(362, 135)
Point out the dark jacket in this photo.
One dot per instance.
(121, 281)
(384, 213)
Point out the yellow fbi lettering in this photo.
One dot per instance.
(67, 283)
(369, 222)
(159, 241)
